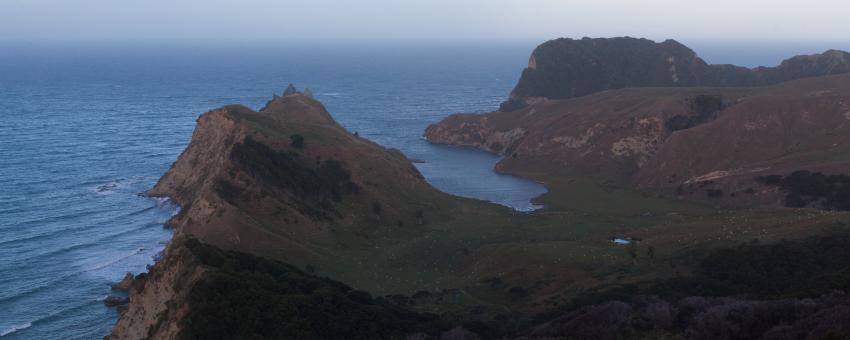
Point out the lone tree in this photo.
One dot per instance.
(297, 141)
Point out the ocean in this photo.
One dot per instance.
(85, 129)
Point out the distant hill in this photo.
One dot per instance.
(704, 143)
(567, 68)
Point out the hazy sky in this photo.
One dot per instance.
(284, 20)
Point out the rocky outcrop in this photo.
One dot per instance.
(290, 90)
(157, 299)
(472, 130)
(125, 283)
(567, 68)
(112, 301)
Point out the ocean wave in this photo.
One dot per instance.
(52, 282)
(53, 233)
(46, 318)
(116, 185)
(105, 264)
(15, 328)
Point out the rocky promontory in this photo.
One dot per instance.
(288, 183)
(567, 68)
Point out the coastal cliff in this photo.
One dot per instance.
(285, 182)
(269, 181)
(566, 68)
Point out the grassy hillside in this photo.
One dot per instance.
(288, 183)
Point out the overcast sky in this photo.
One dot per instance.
(417, 20)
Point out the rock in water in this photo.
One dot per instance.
(290, 90)
(112, 301)
(125, 283)
(307, 93)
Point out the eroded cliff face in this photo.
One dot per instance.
(158, 299)
(474, 131)
(567, 68)
(626, 126)
(695, 142)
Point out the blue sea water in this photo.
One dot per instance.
(85, 129)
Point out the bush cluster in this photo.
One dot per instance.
(804, 188)
(248, 297)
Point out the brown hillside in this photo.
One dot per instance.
(712, 138)
(243, 184)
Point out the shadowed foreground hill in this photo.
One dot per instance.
(198, 291)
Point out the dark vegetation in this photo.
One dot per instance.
(315, 188)
(714, 193)
(297, 141)
(786, 269)
(248, 297)
(812, 189)
(786, 290)
(698, 318)
(704, 107)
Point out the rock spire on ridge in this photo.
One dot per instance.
(290, 90)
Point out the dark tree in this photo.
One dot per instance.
(297, 141)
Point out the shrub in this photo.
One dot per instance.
(714, 193)
(289, 175)
(804, 188)
(297, 141)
